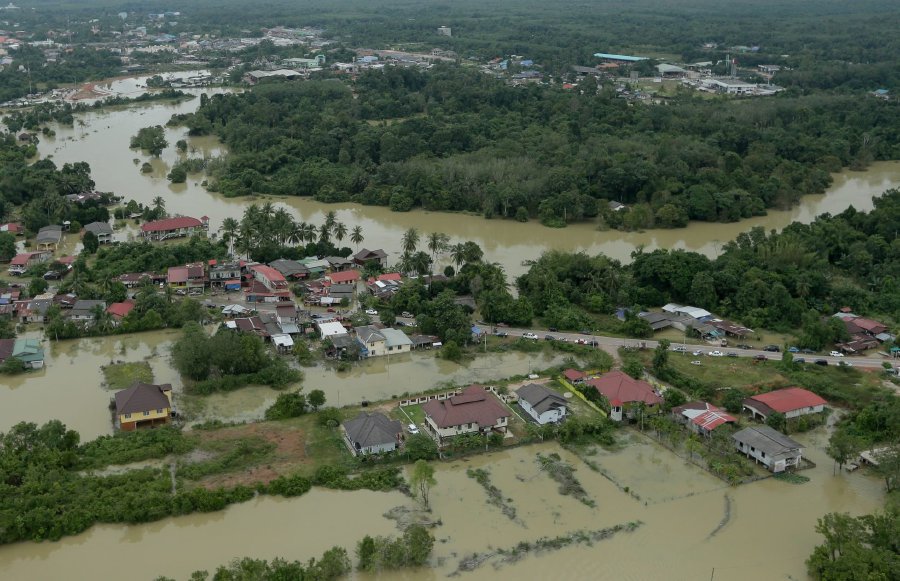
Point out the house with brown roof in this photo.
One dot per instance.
(625, 394)
(190, 277)
(365, 256)
(474, 411)
(177, 227)
(574, 376)
(343, 277)
(792, 402)
(20, 263)
(143, 405)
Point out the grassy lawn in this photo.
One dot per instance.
(122, 375)
(739, 372)
(415, 412)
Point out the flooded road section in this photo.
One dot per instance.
(766, 533)
(101, 138)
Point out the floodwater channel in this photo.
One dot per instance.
(687, 530)
(101, 138)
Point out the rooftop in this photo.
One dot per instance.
(473, 405)
(141, 397)
(619, 386)
(790, 399)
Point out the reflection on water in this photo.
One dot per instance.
(101, 138)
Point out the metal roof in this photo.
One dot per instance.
(619, 57)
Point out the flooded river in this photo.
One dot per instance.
(766, 533)
(101, 138)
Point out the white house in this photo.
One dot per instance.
(768, 447)
(372, 341)
(372, 434)
(330, 329)
(396, 341)
(544, 405)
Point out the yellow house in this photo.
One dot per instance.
(144, 405)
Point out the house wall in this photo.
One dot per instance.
(470, 428)
(548, 417)
(129, 421)
(375, 348)
(776, 463)
(805, 411)
(379, 449)
(393, 349)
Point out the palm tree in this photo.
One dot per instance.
(324, 233)
(356, 236)
(438, 242)
(297, 233)
(410, 241)
(330, 220)
(282, 225)
(229, 229)
(458, 254)
(159, 205)
(310, 233)
(340, 231)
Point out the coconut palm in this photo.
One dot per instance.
(438, 242)
(297, 233)
(310, 233)
(356, 236)
(458, 254)
(229, 229)
(330, 220)
(282, 225)
(410, 241)
(340, 231)
(159, 205)
(324, 233)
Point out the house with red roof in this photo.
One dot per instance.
(792, 402)
(13, 228)
(177, 227)
(574, 376)
(701, 417)
(625, 394)
(20, 263)
(474, 411)
(187, 277)
(269, 277)
(343, 277)
(120, 310)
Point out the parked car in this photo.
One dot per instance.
(406, 314)
(679, 349)
(716, 353)
(530, 335)
(371, 312)
(549, 337)
(53, 275)
(731, 354)
(695, 363)
(844, 364)
(552, 329)
(799, 360)
(592, 343)
(501, 334)
(760, 357)
(772, 348)
(697, 353)
(808, 351)
(821, 362)
(743, 346)
(836, 354)
(413, 429)
(794, 350)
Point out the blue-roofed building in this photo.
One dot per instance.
(527, 63)
(619, 57)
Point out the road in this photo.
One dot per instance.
(607, 343)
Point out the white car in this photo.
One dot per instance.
(695, 363)
(406, 314)
(530, 335)
(716, 354)
(371, 312)
(697, 353)
(844, 364)
(413, 429)
(837, 354)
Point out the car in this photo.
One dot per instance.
(530, 335)
(330, 309)
(399, 324)
(716, 353)
(552, 329)
(799, 360)
(760, 357)
(413, 429)
(836, 354)
(808, 351)
(679, 349)
(549, 337)
(844, 364)
(794, 350)
(731, 354)
(53, 275)
(501, 334)
(743, 346)
(371, 312)
(593, 343)
(822, 362)
(695, 363)
(697, 353)
(772, 348)
(406, 314)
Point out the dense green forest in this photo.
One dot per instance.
(455, 139)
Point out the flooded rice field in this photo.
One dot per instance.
(693, 527)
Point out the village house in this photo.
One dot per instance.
(474, 411)
(20, 263)
(84, 311)
(338, 263)
(372, 433)
(365, 256)
(541, 403)
(425, 341)
(792, 402)
(316, 266)
(187, 278)
(225, 275)
(290, 269)
(13, 228)
(701, 417)
(769, 447)
(49, 237)
(28, 351)
(35, 310)
(134, 279)
(177, 227)
(340, 292)
(372, 341)
(269, 277)
(864, 333)
(396, 341)
(102, 230)
(626, 394)
(143, 405)
(343, 277)
(330, 328)
(119, 311)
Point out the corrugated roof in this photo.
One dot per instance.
(142, 397)
(171, 224)
(767, 439)
(790, 399)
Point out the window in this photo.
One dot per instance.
(159, 411)
(752, 449)
(146, 413)
(127, 416)
(763, 454)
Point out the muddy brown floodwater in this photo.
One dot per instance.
(101, 138)
(766, 534)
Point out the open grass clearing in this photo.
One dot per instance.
(121, 375)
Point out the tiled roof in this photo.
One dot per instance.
(142, 397)
(473, 405)
(619, 386)
(171, 224)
